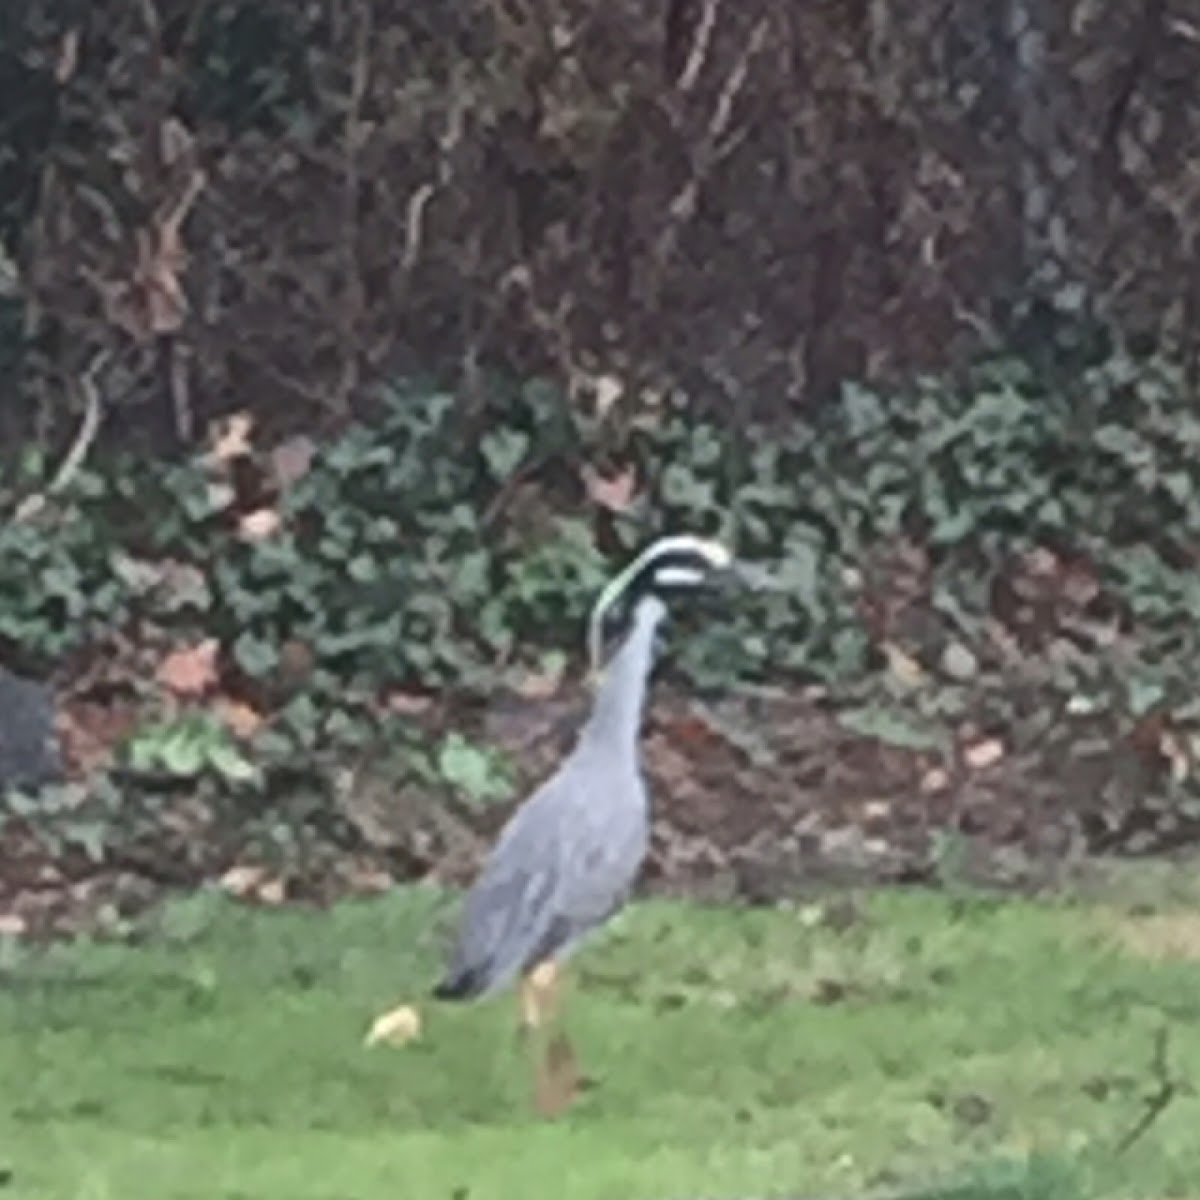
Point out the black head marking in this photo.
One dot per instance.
(671, 567)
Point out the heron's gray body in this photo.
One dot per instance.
(568, 858)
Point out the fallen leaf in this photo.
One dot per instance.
(544, 683)
(935, 780)
(191, 670)
(397, 1027)
(271, 891)
(243, 880)
(407, 704)
(259, 524)
(239, 718)
(876, 810)
(371, 881)
(903, 667)
(984, 754)
(1175, 750)
(615, 492)
(248, 881)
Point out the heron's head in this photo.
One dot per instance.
(671, 568)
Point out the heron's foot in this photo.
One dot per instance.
(398, 1026)
(558, 1081)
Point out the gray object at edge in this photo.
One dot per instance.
(568, 858)
(29, 752)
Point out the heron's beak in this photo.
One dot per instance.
(756, 577)
(746, 576)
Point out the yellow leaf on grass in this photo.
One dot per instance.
(397, 1027)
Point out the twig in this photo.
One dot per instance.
(414, 221)
(88, 428)
(418, 202)
(685, 201)
(701, 41)
(1159, 1100)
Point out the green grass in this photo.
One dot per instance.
(1000, 1048)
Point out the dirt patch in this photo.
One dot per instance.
(1159, 936)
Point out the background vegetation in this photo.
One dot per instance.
(898, 300)
(347, 346)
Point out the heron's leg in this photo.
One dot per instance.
(539, 997)
(556, 1072)
(558, 1081)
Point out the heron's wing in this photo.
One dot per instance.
(511, 903)
(563, 863)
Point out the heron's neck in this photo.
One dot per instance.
(617, 711)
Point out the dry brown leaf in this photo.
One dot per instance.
(984, 754)
(244, 879)
(371, 881)
(935, 780)
(407, 704)
(260, 524)
(544, 683)
(903, 667)
(615, 492)
(239, 718)
(271, 891)
(12, 925)
(397, 1027)
(1174, 749)
(248, 881)
(190, 670)
(876, 810)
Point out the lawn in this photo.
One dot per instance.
(931, 1046)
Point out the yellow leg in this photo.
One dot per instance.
(539, 997)
(556, 1071)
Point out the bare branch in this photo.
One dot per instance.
(88, 428)
(684, 203)
(701, 41)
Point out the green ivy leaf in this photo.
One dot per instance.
(255, 655)
(503, 450)
(473, 770)
(887, 726)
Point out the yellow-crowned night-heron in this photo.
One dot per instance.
(568, 857)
